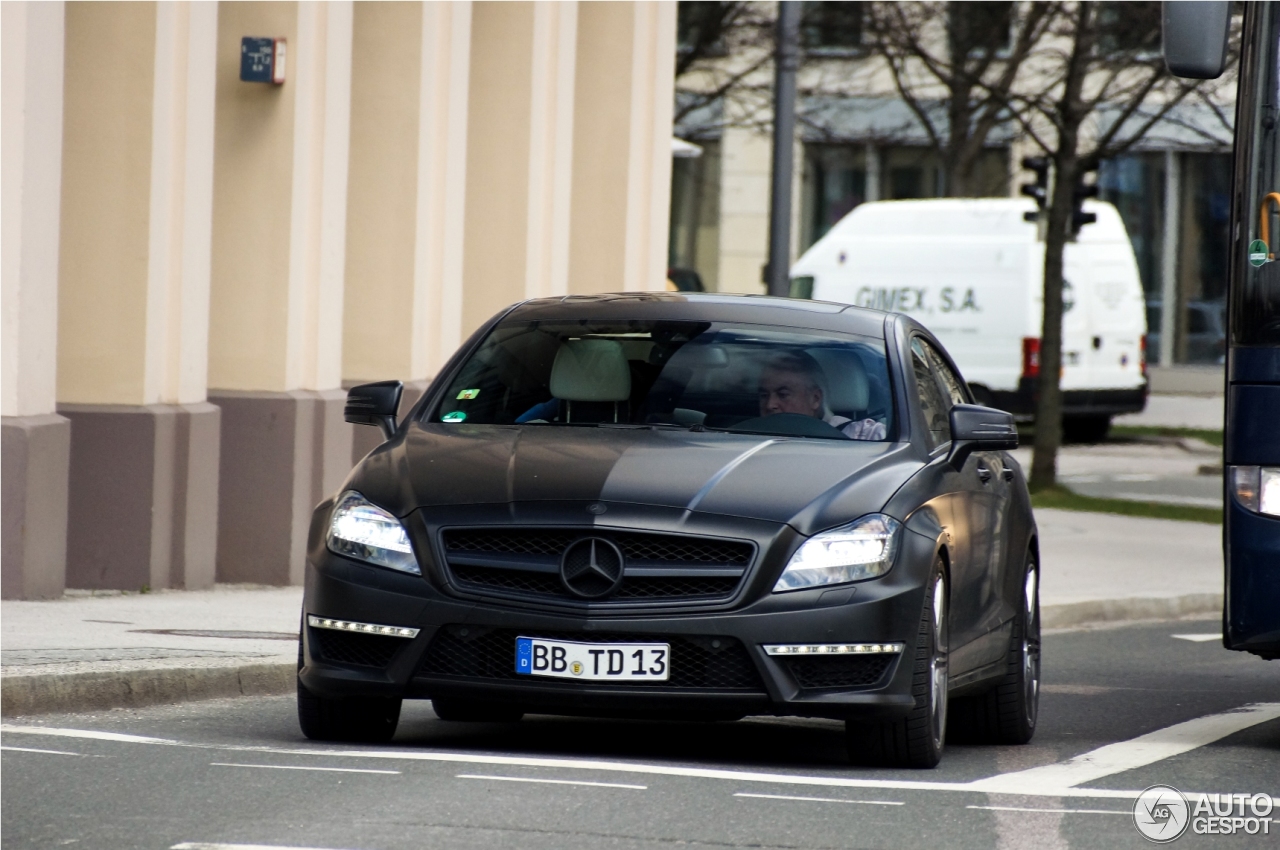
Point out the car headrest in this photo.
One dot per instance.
(591, 370)
(848, 389)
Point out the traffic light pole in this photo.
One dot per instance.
(786, 61)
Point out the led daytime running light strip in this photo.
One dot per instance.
(362, 628)
(833, 648)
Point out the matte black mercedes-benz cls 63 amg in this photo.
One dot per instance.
(682, 505)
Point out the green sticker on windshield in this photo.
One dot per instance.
(453, 416)
(1258, 251)
(467, 395)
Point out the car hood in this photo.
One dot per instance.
(805, 482)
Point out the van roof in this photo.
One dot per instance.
(993, 219)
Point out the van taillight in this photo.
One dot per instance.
(1030, 357)
(1142, 355)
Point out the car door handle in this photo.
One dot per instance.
(984, 474)
(1008, 474)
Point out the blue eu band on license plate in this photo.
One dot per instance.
(562, 659)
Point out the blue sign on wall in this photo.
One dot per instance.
(257, 56)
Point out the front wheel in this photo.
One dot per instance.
(1007, 713)
(915, 740)
(370, 720)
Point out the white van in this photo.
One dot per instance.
(971, 271)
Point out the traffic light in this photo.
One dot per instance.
(1039, 190)
(1082, 191)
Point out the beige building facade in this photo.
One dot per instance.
(196, 266)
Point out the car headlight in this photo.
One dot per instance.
(364, 531)
(861, 550)
(1257, 488)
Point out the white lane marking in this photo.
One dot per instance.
(819, 799)
(1134, 753)
(1052, 811)
(300, 767)
(552, 781)
(1199, 638)
(1135, 476)
(204, 845)
(83, 733)
(1058, 780)
(49, 752)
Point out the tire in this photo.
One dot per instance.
(475, 711)
(1085, 429)
(370, 720)
(915, 740)
(1007, 713)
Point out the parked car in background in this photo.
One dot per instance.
(1206, 333)
(972, 272)
(684, 280)
(699, 506)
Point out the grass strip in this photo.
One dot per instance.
(1209, 436)
(1064, 499)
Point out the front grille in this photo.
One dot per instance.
(352, 648)
(706, 663)
(846, 671)
(526, 562)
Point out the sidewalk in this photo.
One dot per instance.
(84, 653)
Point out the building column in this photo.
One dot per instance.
(137, 166)
(1169, 301)
(519, 155)
(276, 302)
(406, 200)
(744, 209)
(36, 440)
(622, 147)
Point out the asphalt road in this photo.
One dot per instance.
(237, 772)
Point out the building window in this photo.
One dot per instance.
(1136, 184)
(833, 28)
(835, 181)
(700, 27)
(1129, 28)
(980, 28)
(694, 238)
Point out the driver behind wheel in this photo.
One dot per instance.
(793, 382)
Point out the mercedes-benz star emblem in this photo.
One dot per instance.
(591, 568)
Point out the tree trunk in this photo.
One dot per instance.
(1044, 461)
(1066, 160)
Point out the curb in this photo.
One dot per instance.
(99, 691)
(75, 692)
(1128, 609)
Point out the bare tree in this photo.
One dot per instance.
(1101, 86)
(957, 66)
(722, 49)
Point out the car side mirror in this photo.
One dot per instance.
(374, 404)
(977, 428)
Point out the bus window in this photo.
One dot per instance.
(1256, 298)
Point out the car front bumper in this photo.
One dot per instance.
(465, 647)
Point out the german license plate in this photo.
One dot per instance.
(563, 659)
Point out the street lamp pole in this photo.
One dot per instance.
(786, 60)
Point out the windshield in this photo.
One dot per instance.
(693, 375)
(1257, 293)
